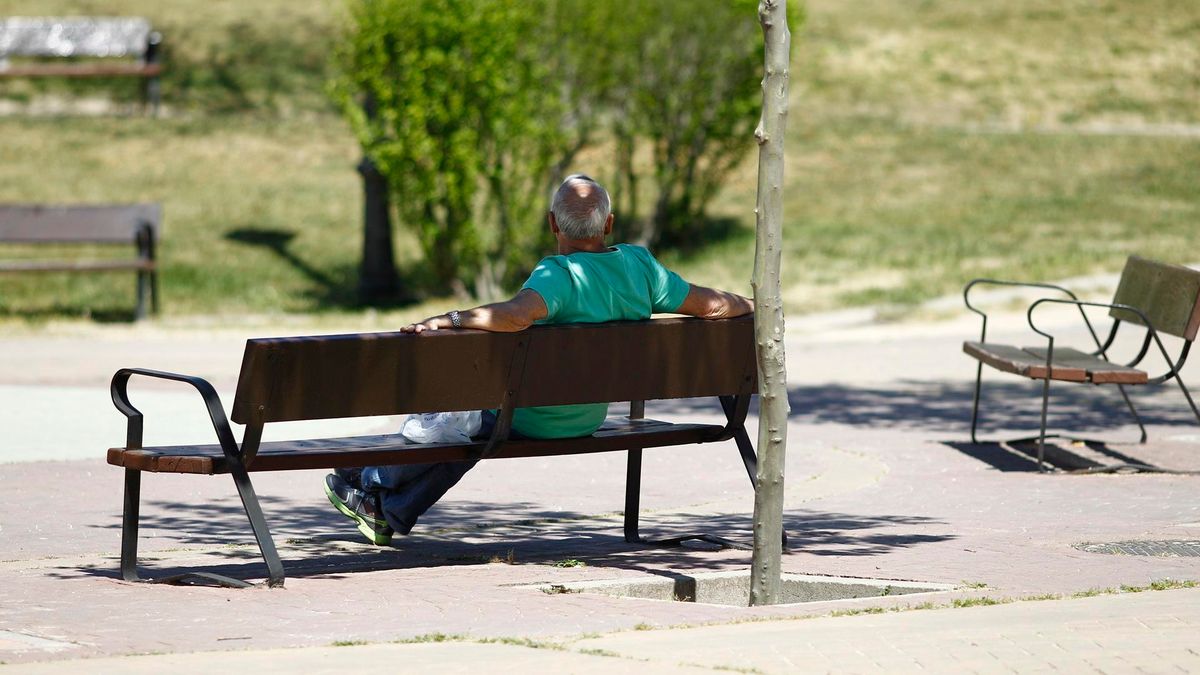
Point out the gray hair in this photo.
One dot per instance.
(581, 207)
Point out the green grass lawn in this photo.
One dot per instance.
(929, 142)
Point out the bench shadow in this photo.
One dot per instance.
(316, 541)
(1009, 408)
(939, 406)
(1062, 454)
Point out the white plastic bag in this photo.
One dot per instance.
(443, 427)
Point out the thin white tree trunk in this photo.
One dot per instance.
(768, 312)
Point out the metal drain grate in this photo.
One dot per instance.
(1161, 549)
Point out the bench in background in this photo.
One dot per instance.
(137, 224)
(1161, 298)
(93, 45)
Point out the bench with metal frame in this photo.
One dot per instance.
(84, 40)
(137, 224)
(340, 376)
(1160, 297)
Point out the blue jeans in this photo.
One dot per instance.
(408, 491)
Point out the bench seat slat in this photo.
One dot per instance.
(22, 266)
(616, 434)
(1018, 361)
(1069, 365)
(1099, 371)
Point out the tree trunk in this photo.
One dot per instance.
(768, 304)
(377, 278)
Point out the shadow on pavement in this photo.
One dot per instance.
(940, 406)
(518, 533)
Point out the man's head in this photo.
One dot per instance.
(580, 209)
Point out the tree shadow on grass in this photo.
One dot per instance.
(276, 241)
(317, 541)
(336, 289)
(59, 311)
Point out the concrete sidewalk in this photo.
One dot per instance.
(881, 484)
(1150, 632)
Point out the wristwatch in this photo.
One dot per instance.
(455, 319)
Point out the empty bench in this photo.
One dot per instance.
(130, 224)
(340, 376)
(82, 47)
(1162, 298)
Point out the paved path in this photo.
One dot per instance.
(880, 485)
(1149, 632)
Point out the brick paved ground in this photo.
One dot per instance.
(880, 484)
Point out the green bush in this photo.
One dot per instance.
(446, 97)
(473, 109)
(685, 84)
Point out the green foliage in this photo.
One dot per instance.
(447, 97)
(473, 109)
(678, 85)
(977, 602)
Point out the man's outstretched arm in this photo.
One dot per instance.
(710, 303)
(499, 317)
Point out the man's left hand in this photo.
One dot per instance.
(432, 323)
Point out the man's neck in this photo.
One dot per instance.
(569, 246)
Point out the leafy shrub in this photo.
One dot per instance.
(473, 109)
(446, 97)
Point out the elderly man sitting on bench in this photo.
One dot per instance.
(587, 282)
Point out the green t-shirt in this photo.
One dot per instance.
(623, 283)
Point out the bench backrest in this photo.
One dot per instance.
(74, 36)
(98, 224)
(1168, 294)
(302, 378)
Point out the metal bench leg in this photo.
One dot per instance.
(143, 290)
(1137, 418)
(259, 524)
(129, 534)
(633, 480)
(975, 407)
(633, 489)
(1042, 432)
(129, 525)
(154, 292)
(1188, 396)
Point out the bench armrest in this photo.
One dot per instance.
(1151, 334)
(216, 412)
(1002, 282)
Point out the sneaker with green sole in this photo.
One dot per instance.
(361, 507)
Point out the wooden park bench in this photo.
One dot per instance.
(137, 224)
(82, 47)
(1162, 298)
(339, 376)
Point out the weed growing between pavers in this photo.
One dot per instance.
(432, 637)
